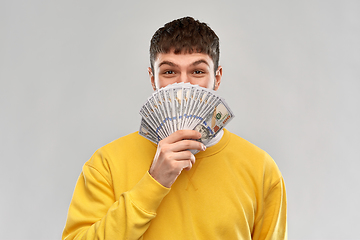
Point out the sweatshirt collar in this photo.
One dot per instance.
(215, 148)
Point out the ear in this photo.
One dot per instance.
(152, 79)
(218, 76)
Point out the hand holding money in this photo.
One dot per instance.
(184, 106)
(181, 118)
(172, 156)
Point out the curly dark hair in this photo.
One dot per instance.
(185, 35)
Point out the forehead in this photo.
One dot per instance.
(183, 59)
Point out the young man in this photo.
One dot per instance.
(135, 189)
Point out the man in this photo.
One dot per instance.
(135, 189)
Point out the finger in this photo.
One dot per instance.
(187, 144)
(184, 164)
(181, 135)
(188, 167)
(184, 155)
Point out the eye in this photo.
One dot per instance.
(169, 72)
(198, 72)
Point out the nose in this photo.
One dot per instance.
(184, 78)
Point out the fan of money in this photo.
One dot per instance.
(183, 106)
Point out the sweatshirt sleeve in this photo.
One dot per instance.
(95, 214)
(273, 223)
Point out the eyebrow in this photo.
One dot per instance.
(199, 62)
(168, 63)
(175, 65)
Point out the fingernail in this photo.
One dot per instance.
(203, 147)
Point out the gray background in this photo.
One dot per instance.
(74, 75)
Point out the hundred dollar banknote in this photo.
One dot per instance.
(184, 106)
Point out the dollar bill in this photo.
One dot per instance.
(184, 106)
(216, 120)
(147, 132)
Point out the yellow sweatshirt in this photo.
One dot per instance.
(233, 191)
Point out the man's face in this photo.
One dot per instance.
(195, 68)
